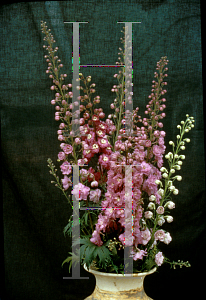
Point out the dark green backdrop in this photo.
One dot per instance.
(34, 211)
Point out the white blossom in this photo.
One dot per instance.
(167, 238)
(148, 214)
(169, 219)
(161, 220)
(151, 206)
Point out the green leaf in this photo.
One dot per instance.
(149, 263)
(89, 257)
(68, 228)
(73, 259)
(103, 255)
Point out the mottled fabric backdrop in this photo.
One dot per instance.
(34, 211)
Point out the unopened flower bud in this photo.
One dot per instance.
(160, 192)
(176, 192)
(179, 178)
(172, 188)
(152, 198)
(170, 204)
(94, 183)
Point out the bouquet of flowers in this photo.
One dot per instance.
(119, 172)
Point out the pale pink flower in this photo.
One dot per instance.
(94, 195)
(159, 258)
(139, 254)
(122, 238)
(68, 149)
(159, 235)
(148, 214)
(170, 204)
(66, 182)
(80, 191)
(146, 236)
(167, 238)
(96, 238)
(157, 150)
(160, 210)
(84, 174)
(146, 168)
(77, 141)
(66, 168)
(94, 183)
(61, 156)
(169, 219)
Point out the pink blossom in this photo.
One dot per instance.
(103, 143)
(146, 236)
(160, 210)
(150, 186)
(139, 254)
(145, 168)
(148, 214)
(66, 182)
(95, 148)
(157, 150)
(61, 156)
(122, 238)
(66, 168)
(160, 235)
(161, 141)
(80, 191)
(95, 195)
(167, 238)
(84, 174)
(96, 238)
(82, 161)
(159, 258)
(104, 160)
(77, 141)
(88, 153)
(68, 149)
(147, 143)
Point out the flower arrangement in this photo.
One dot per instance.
(102, 151)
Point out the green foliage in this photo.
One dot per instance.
(89, 253)
(72, 259)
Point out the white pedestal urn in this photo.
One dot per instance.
(111, 286)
